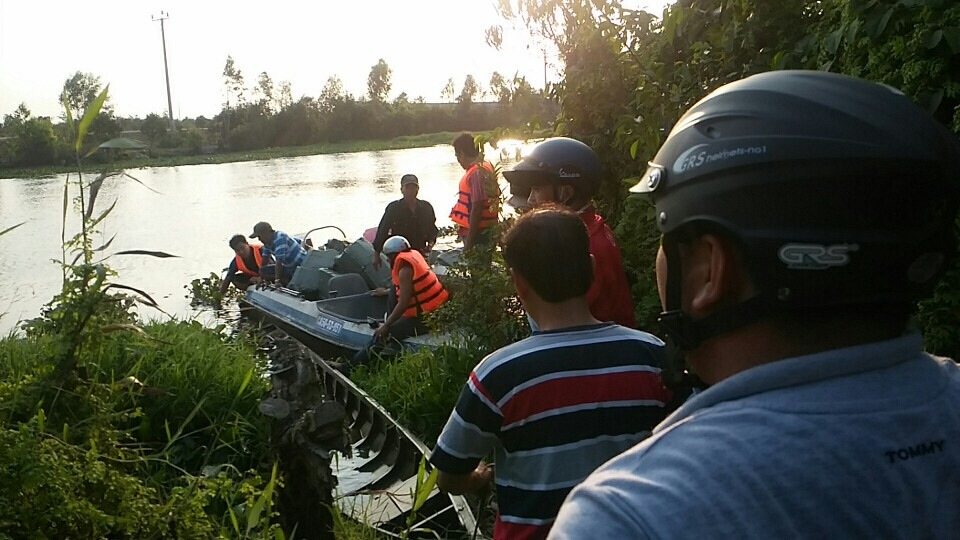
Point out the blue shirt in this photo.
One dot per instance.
(286, 250)
(861, 442)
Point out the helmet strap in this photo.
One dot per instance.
(682, 333)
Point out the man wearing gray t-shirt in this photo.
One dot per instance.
(803, 214)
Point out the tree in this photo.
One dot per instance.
(378, 82)
(233, 84)
(285, 99)
(265, 93)
(34, 140)
(154, 127)
(471, 90)
(79, 91)
(500, 88)
(448, 89)
(331, 95)
(12, 121)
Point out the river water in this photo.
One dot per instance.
(195, 212)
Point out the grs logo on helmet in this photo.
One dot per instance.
(816, 256)
(690, 158)
(564, 173)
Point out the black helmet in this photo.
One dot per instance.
(558, 160)
(839, 191)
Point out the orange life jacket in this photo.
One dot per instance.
(461, 211)
(428, 292)
(257, 257)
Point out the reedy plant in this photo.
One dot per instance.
(100, 453)
(89, 303)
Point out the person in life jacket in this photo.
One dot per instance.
(244, 269)
(567, 172)
(417, 289)
(478, 198)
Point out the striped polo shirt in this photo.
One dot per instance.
(553, 407)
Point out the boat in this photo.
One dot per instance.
(377, 477)
(329, 304)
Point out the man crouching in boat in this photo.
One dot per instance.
(245, 268)
(418, 291)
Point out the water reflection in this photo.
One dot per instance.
(197, 210)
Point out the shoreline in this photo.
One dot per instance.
(397, 143)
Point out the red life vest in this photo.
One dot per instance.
(257, 257)
(461, 211)
(428, 292)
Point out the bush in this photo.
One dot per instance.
(419, 388)
(157, 436)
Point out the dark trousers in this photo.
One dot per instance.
(401, 330)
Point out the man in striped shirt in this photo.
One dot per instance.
(555, 406)
(286, 250)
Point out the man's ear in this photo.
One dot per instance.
(713, 275)
(566, 194)
(523, 288)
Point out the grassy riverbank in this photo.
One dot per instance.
(155, 435)
(398, 143)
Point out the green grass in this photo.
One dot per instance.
(181, 451)
(419, 388)
(407, 141)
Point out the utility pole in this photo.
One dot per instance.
(162, 17)
(544, 50)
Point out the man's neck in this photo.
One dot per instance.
(557, 316)
(763, 343)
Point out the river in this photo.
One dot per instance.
(194, 212)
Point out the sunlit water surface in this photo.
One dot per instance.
(198, 208)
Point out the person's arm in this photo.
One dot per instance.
(383, 229)
(478, 202)
(281, 251)
(403, 300)
(429, 225)
(475, 481)
(268, 261)
(228, 279)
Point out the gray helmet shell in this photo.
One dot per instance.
(839, 190)
(394, 245)
(558, 160)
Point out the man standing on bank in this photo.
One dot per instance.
(803, 215)
(286, 250)
(478, 196)
(567, 172)
(558, 404)
(409, 217)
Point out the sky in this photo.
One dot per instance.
(425, 43)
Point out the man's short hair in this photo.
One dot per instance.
(550, 249)
(465, 145)
(236, 240)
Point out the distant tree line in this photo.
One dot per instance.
(266, 115)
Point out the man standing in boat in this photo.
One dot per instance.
(286, 251)
(417, 289)
(478, 197)
(409, 217)
(558, 404)
(245, 267)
